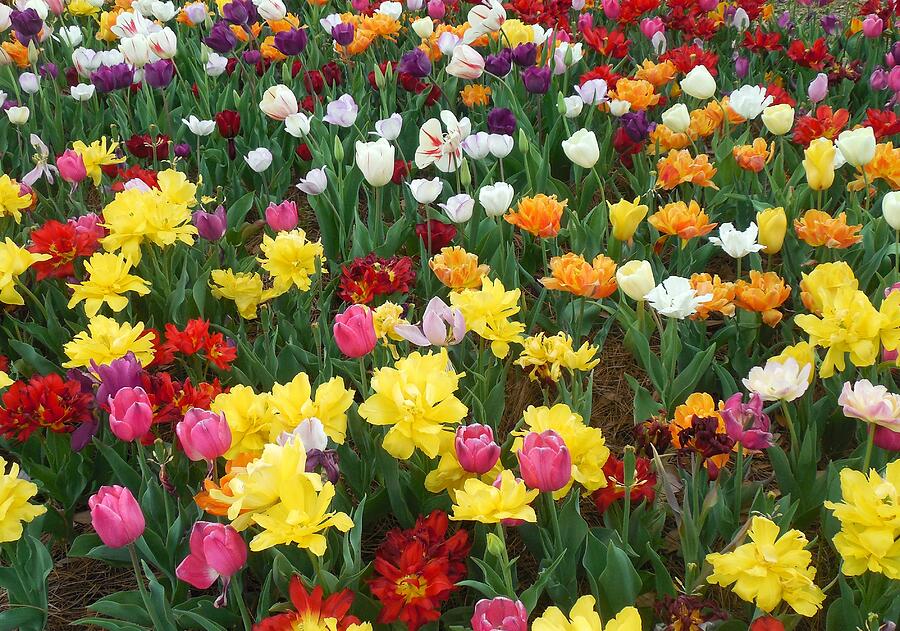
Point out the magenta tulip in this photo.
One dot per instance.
(116, 516)
(217, 550)
(476, 450)
(544, 461)
(887, 439)
(354, 331)
(499, 614)
(872, 26)
(130, 413)
(611, 8)
(203, 435)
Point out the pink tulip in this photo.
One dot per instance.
(611, 8)
(499, 614)
(544, 461)
(708, 5)
(217, 550)
(56, 6)
(71, 167)
(436, 9)
(818, 88)
(282, 217)
(652, 26)
(894, 79)
(130, 413)
(476, 450)
(203, 435)
(116, 516)
(354, 331)
(872, 26)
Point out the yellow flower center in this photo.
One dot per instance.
(411, 587)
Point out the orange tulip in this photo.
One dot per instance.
(679, 167)
(722, 295)
(571, 273)
(763, 294)
(754, 157)
(637, 92)
(539, 215)
(684, 220)
(818, 228)
(458, 269)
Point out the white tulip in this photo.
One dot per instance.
(389, 128)
(459, 208)
(737, 244)
(199, 127)
(426, 191)
(749, 101)
(582, 148)
(699, 83)
(82, 91)
(675, 298)
(18, 115)
(297, 125)
(779, 381)
(677, 118)
(496, 198)
(857, 145)
(890, 208)
(279, 102)
(259, 159)
(635, 279)
(376, 161)
(500, 145)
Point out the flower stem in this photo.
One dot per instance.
(362, 376)
(550, 506)
(791, 429)
(870, 441)
(738, 481)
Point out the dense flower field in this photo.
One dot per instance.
(316, 315)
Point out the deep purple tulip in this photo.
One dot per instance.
(525, 55)
(343, 33)
(221, 39)
(415, 63)
(831, 23)
(292, 41)
(159, 74)
(251, 57)
(785, 22)
(536, 80)
(499, 64)
(637, 125)
(26, 25)
(240, 12)
(501, 121)
(182, 150)
(49, 70)
(109, 78)
(741, 67)
(327, 460)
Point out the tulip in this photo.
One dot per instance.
(500, 120)
(499, 614)
(199, 127)
(376, 161)
(203, 435)
(618, 108)
(699, 83)
(159, 74)
(342, 112)
(130, 413)
(741, 66)
(292, 41)
(878, 80)
(737, 243)
(476, 450)
(259, 159)
(778, 119)
(217, 550)
(71, 167)
(116, 516)
(818, 88)
(536, 80)
(592, 92)
(496, 198)
(315, 182)
(890, 208)
(436, 9)
(894, 79)
(499, 64)
(30, 82)
(871, 403)
(466, 63)
(611, 9)
(887, 439)
(459, 208)
(82, 92)
(767, 623)
(544, 461)
(652, 26)
(625, 217)
(525, 55)
(500, 145)
(478, 145)
(297, 125)
(740, 20)
(635, 279)
(779, 381)
(389, 128)
(282, 217)
(415, 63)
(677, 118)
(426, 191)
(136, 50)
(676, 298)
(574, 105)
(423, 27)
(279, 102)
(582, 148)
(18, 115)
(872, 26)
(746, 423)
(749, 101)
(210, 226)
(857, 146)
(819, 164)
(441, 326)
(772, 228)
(163, 43)
(216, 65)
(354, 331)
(271, 9)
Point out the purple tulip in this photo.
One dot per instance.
(240, 12)
(210, 226)
(109, 78)
(746, 423)
(343, 33)
(785, 22)
(525, 55)
(159, 74)
(637, 125)
(221, 38)
(26, 25)
(501, 121)
(251, 57)
(124, 372)
(831, 23)
(536, 80)
(182, 150)
(818, 88)
(741, 66)
(415, 63)
(878, 79)
(49, 70)
(292, 41)
(499, 64)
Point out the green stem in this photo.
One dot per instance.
(791, 429)
(738, 482)
(238, 594)
(362, 376)
(870, 441)
(145, 596)
(504, 559)
(550, 507)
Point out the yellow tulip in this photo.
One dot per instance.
(819, 164)
(625, 217)
(772, 227)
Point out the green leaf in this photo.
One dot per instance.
(619, 583)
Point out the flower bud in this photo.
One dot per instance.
(635, 279)
(130, 413)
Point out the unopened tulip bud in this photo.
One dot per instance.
(130, 413)
(545, 461)
(116, 516)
